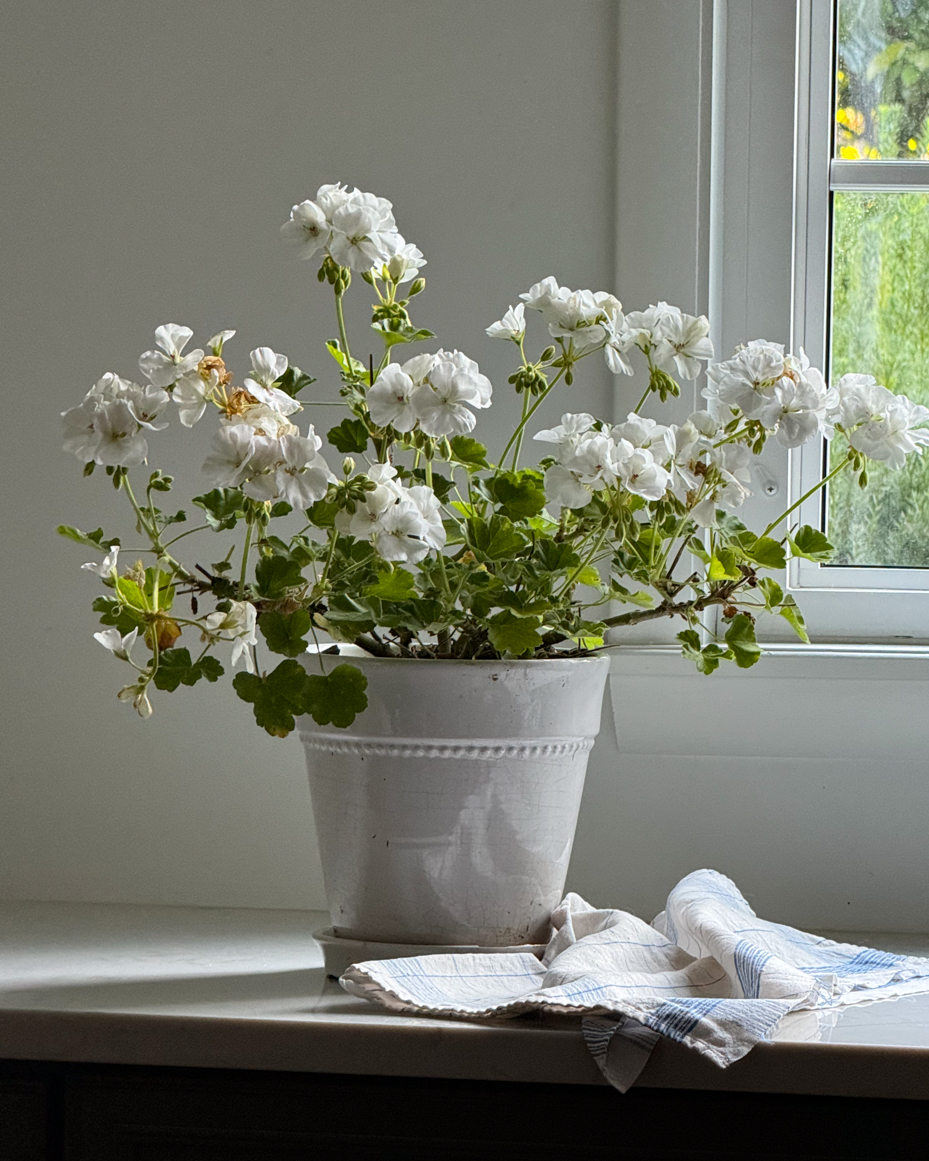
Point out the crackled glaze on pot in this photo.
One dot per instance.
(446, 812)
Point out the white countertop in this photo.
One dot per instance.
(222, 988)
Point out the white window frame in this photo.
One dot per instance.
(841, 603)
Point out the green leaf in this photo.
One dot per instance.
(772, 592)
(323, 513)
(274, 575)
(130, 594)
(94, 539)
(767, 552)
(113, 613)
(176, 668)
(222, 507)
(696, 546)
(403, 334)
(337, 697)
(353, 370)
(619, 593)
(794, 618)
(556, 555)
(519, 494)
(811, 544)
(706, 659)
(468, 452)
(276, 698)
(293, 381)
(740, 637)
(588, 576)
(398, 585)
(165, 589)
(281, 508)
(723, 566)
(285, 632)
(351, 435)
(494, 539)
(511, 634)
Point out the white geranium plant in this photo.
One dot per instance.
(416, 545)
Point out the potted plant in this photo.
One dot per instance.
(435, 621)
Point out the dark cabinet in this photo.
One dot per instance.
(73, 1112)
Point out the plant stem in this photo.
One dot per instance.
(440, 556)
(519, 441)
(246, 547)
(529, 414)
(806, 495)
(342, 335)
(157, 546)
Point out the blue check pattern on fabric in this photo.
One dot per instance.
(707, 973)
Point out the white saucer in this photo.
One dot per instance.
(340, 953)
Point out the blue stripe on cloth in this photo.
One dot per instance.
(749, 966)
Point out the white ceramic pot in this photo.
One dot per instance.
(446, 812)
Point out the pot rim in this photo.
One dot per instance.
(447, 662)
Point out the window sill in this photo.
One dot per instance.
(840, 662)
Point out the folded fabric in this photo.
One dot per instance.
(707, 972)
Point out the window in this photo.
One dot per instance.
(861, 295)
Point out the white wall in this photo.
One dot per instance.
(150, 152)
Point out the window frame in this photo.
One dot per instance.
(841, 603)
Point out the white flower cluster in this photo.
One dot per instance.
(106, 428)
(434, 392)
(791, 399)
(649, 460)
(355, 229)
(258, 449)
(402, 524)
(675, 342)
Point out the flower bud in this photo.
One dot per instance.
(418, 286)
(548, 353)
(348, 466)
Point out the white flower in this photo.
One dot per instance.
(797, 410)
(163, 370)
(418, 367)
(618, 341)
(428, 506)
(389, 400)
(574, 314)
(238, 626)
(541, 296)
(289, 469)
(332, 197)
(511, 326)
(219, 340)
(440, 403)
(227, 464)
(482, 386)
(405, 260)
(117, 645)
(746, 381)
(365, 522)
(683, 343)
(355, 241)
(569, 431)
(646, 328)
(639, 431)
(81, 436)
(120, 443)
(267, 368)
(106, 567)
(138, 696)
(108, 387)
(642, 476)
(306, 229)
(887, 433)
(192, 393)
(400, 534)
(564, 490)
(146, 404)
(594, 459)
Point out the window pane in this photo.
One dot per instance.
(880, 326)
(882, 80)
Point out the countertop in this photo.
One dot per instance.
(223, 988)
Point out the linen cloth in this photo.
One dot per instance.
(707, 972)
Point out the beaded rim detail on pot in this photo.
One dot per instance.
(480, 750)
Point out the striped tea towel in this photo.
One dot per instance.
(707, 972)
